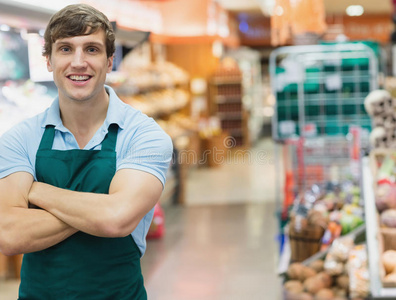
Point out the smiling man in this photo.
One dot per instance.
(79, 181)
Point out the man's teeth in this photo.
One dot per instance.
(79, 77)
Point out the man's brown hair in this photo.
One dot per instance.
(75, 20)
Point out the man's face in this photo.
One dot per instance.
(80, 65)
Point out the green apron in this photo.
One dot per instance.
(83, 266)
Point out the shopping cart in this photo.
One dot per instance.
(320, 92)
(322, 161)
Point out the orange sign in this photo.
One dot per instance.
(367, 27)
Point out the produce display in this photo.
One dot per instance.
(385, 191)
(322, 214)
(154, 88)
(342, 274)
(134, 79)
(383, 165)
(178, 125)
(357, 265)
(157, 103)
(388, 259)
(380, 106)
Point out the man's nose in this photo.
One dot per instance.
(78, 59)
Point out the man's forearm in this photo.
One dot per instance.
(132, 194)
(85, 211)
(24, 230)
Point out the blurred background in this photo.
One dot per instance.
(282, 116)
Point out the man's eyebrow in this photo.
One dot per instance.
(97, 44)
(92, 43)
(58, 42)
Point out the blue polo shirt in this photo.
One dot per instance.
(141, 145)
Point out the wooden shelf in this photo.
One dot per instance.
(226, 104)
(221, 99)
(230, 115)
(220, 81)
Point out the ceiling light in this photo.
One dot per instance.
(355, 10)
(5, 27)
(24, 34)
(279, 10)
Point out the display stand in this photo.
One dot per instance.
(226, 92)
(378, 291)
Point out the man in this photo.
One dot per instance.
(80, 180)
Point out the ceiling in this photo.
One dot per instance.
(331, 6)
(31, 16)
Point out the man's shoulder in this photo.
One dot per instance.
(134, 117)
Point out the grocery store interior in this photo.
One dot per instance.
(283, 124)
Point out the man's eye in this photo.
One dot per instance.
(92, 50)
(64, 49)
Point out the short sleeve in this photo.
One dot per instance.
(149, 149)
(14, 155)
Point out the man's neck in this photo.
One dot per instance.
(84, 118)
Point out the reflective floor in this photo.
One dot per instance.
(214, 253)
(222, 243)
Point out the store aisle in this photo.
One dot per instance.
(222, 252)
(247, 176)
(9, 289)
(221, 245)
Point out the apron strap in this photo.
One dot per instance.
(48, 138)
(110, 140)
(108, 144)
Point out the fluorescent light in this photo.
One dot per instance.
(279, 10)
(4, 27)
(354, 10)
(54, 5)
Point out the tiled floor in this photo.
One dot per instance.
(221, 244)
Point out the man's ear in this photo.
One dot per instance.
(49, 67)
(110, 63)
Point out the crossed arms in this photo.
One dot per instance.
(132, 195)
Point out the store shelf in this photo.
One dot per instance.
(230, 115)
(220, 99)
(378, 291)
(224, 81)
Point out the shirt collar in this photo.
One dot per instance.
(115, 113)
(116, 110)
